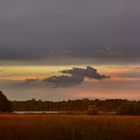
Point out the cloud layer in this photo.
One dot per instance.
(54, 29)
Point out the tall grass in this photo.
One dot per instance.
(68, 127)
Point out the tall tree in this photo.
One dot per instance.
(5, 105)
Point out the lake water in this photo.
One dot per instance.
(43, 112)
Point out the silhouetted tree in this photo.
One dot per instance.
(5, 105)
(129, 108)
(110, 105)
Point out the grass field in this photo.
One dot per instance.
(68, 127)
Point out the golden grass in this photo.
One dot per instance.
(68, 127)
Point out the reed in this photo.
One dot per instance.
(68, 127)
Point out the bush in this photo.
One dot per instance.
(92, 110)
(5, 105)
(129, 108)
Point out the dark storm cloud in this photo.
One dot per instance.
(70, 77)
(76, 76)
(52, 29)
(64, 80)
(89, 72)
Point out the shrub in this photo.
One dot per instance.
(129, 108)
(5, 105)
(92, 110)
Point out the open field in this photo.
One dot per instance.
(68, 127)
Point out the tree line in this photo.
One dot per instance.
(119, 106)
(110, 105)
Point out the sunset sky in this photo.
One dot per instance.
(70, 49)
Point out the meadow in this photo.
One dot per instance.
(68, 127)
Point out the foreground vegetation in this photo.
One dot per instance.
(68, 127)
(77, 126)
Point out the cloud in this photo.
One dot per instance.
(76, 76)
(2, 69)
(31, 80)
(89, 72)
(64, 80)
(110, 52)
(137, 68)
